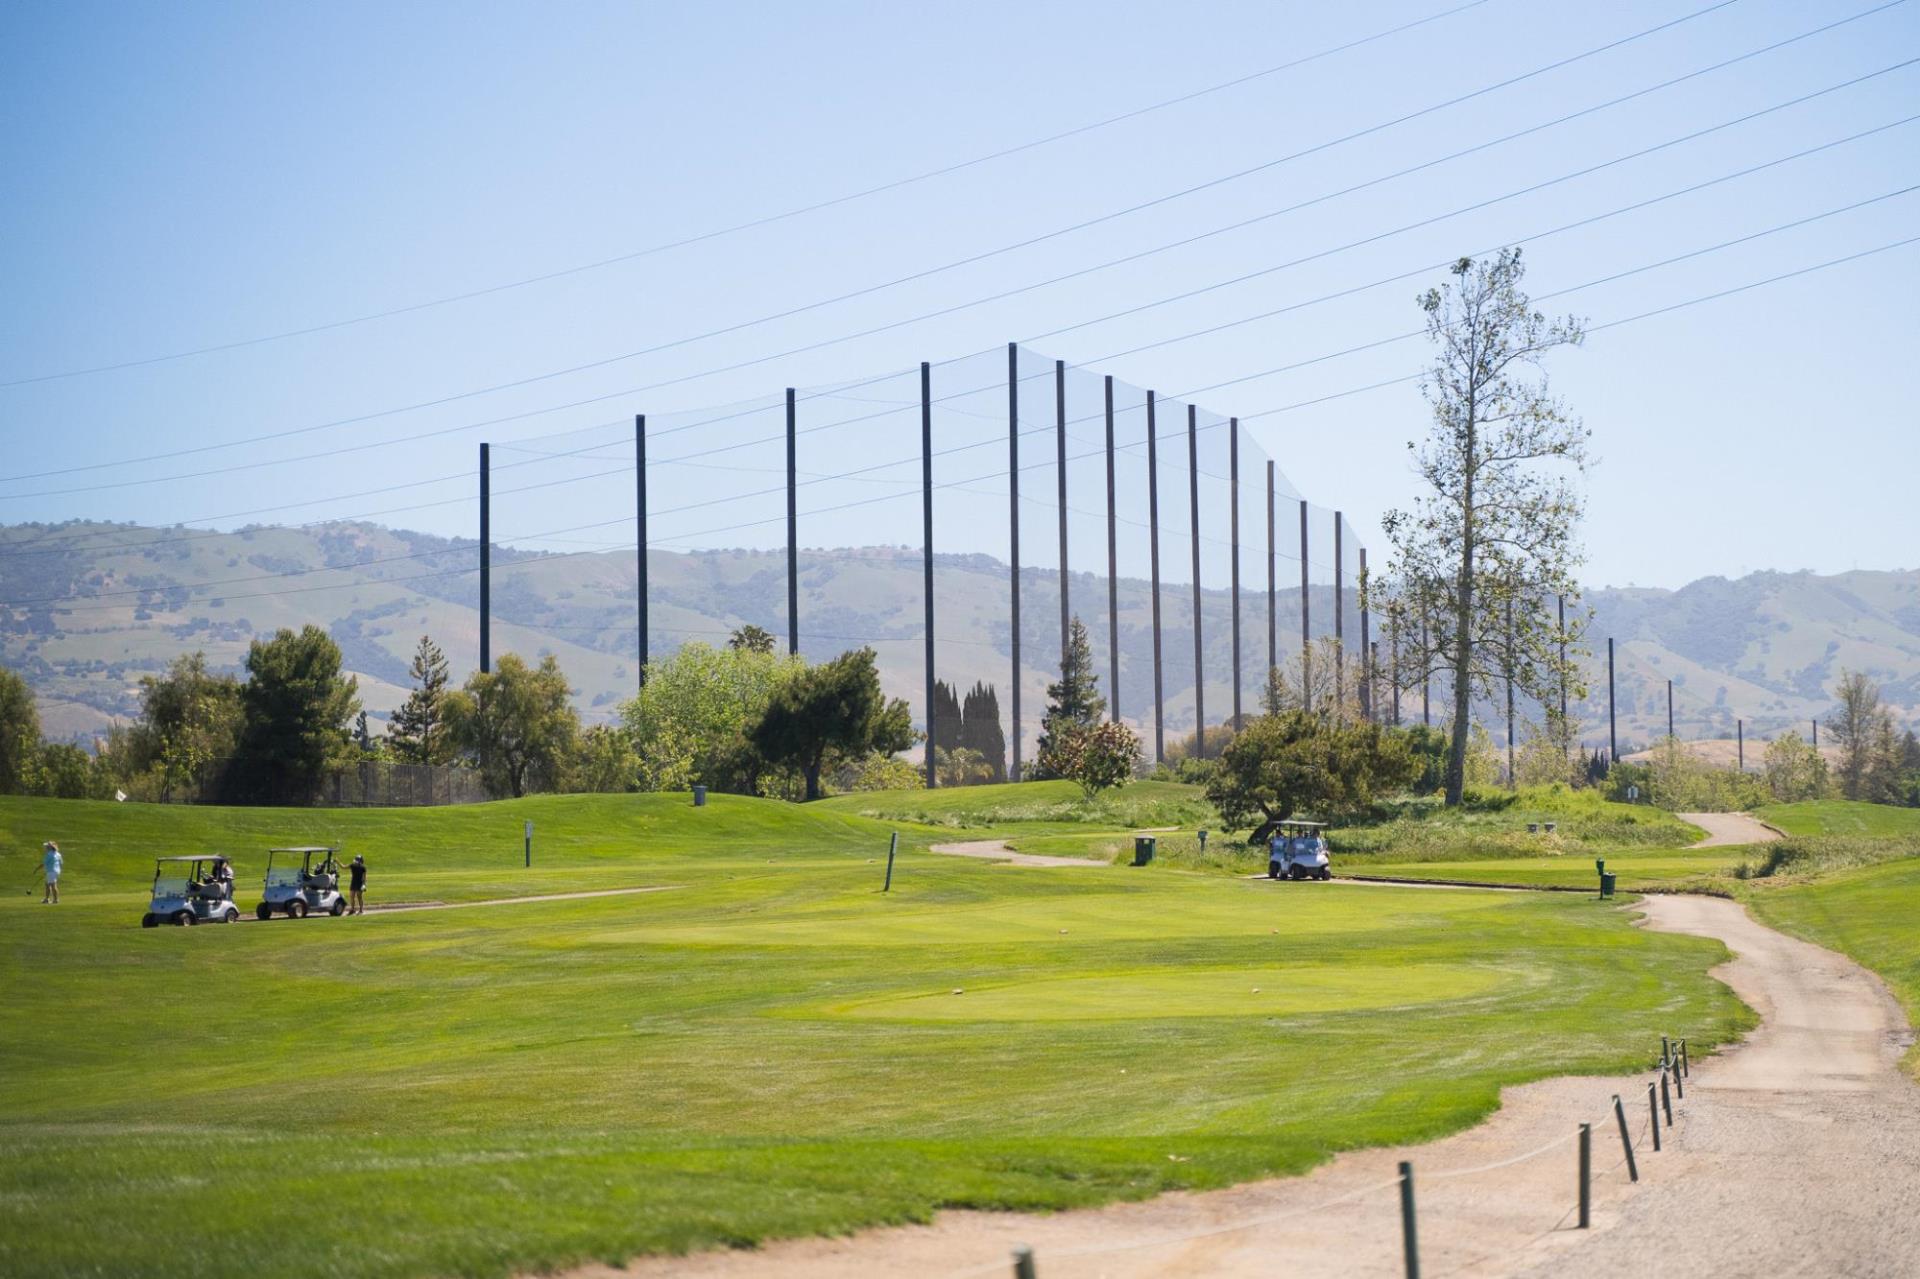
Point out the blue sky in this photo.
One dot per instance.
(182, 176)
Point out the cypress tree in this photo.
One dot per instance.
(946, 717)
(980, 729)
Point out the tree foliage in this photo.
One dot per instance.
(1298, 762)
(751, 639)
(296, 707)
(1794, 770)
(981, 730)
(832, 709)
(517, 723)
(19, 732)
(1492, 540)
(1074, 704)
(1096, 757)
(690, 720)
(418, 731)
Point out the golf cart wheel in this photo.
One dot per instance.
(183, 919)
(149, 920)
(338, 908)
(231, 917)
(296, 909)
(263, 911)
(1326, 872)
(1273, 872)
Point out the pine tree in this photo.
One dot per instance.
(1074, 702)
(980, 729)
(418, 729)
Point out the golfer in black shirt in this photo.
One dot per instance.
(357, 887)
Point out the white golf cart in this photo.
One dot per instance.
(302, 881)
(1298, 850)
(191, 890)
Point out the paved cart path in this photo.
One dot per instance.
(401, 908)
(1730, 828)
(1794, 1154)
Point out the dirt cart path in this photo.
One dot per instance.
(1793, 1155)
(1730, 828)
(994, 850)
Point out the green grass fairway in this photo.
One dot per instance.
(1871, 914)
(770, 1047)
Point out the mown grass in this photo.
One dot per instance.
(771, 1047)
(1034, 805)
(1842, 817)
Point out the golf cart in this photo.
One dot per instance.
(302, 881)
(187, 891)
(1298, 851)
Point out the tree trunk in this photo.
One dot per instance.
(813, 779)
(1463, 629)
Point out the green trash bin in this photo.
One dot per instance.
(1143, 846)
(1607, 879)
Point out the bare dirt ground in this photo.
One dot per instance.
(994, 850)
(1792, 1155)
(1730, 828)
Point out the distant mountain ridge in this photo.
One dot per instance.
(1766, 648)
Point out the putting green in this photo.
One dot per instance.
(1224, 992)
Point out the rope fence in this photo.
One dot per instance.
(1611, 1127)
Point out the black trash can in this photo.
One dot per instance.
(1143, 846)
(699, 797)
(1607, 880)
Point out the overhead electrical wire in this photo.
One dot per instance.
(765, 220)
(1244, 417)
(687, 458)
(924, 272)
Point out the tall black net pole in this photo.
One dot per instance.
(1273, 594)
(1233, 514)
(1153, 572)
(1339, 616)
(1306, 619)
(1193, 521)
(486, 562)
(1613, 722)
(640, 531)
(926, 555)
(1060, 455)
(1013, 532)
(793, 532)
(1113, 576)
(1367, 663)
(1563, 657)
(1669, 708)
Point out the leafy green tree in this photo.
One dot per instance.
(1309, 681)
(690, 720)
(296, 707)
(1863, 730)
(190, 720)
(605, 761)
(1097, 757)
(1794, 770)
(1281, 766)
(832, 709)
(1493, 537)
(19, 732)
(518, 723)
(418, 731)
(751, 639)
(62, 770)
(1074, 703)
(961, 767)
(878, 770)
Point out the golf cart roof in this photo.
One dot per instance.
(1308, 825)
(197, 857)
(308, 848)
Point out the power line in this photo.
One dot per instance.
(1244, 417)
(888, 284)
(765, 220)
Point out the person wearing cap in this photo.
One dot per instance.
(50, 862)
(357, 886)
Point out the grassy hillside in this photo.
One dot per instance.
(769, 1046)
(1842, 817)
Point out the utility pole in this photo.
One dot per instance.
(1306, 622)
(1670, 708)
(1613, 723)
(1740, 740)
(1339, 616)
(1273, 616)
(1013, 530)
(640, 530)
(1060, 466)
(793, 531)
(1153, 565)
(486, 563)
(1233, 515)
(1193, 522)
(1113, 576)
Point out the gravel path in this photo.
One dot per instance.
(1793, 1155)
(1730, 828)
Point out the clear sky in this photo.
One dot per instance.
(181, 176)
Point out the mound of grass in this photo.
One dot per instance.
(1032, 804)
(523, 1088)
(1842, 817)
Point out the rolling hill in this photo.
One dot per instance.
(92, 607)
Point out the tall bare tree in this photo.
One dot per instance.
(1493, 537)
